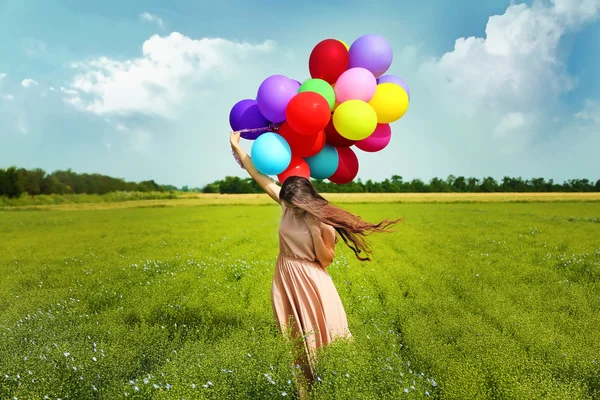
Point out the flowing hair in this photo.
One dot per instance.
(352, 229)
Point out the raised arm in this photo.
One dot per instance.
(265, 182)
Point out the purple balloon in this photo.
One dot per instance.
(394, 79)
(372, 52)
(246, 115)
(273, 96)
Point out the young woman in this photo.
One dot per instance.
(304, 299)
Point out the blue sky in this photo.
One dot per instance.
(497, 88)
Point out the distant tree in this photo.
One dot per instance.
(439, 186)
(418, 186)
(489, 185)
(472, 185)
(13, 182)
(460, 184)
(16, 181)
(538, 185)
(211, 188)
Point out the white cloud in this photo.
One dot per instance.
(147, 17)
(590, 112)
(52, 89)
(27, 83)
(516, 71)
(22, 126)
(171, 69)
(577, 11)
(8, 97)
(2, 76)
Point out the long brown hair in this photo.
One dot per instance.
(352, 229)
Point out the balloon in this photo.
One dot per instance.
(345, 44)
(297, 167)
(271, 154)
(355, 84)
(308, 113)
(273, 96)
(390, 102)
(372, 52)
(302, 145)
(246, 115)
(347, 167)
(378, 140)
(394, 79)
(323, 164)
(321, 87)
(336, 104)
(334, 138)
(328, 60)
(355, 119)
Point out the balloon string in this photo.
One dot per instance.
(270, 128)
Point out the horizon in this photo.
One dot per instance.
(497, 89)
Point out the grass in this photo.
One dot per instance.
(43, 200)
(124, 200)
(468, 300)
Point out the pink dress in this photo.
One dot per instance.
(303, 291)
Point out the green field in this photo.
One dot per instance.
(467, 301)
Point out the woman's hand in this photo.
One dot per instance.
(323, 236)
(234, 139)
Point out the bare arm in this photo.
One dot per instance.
(324, 240)
(265, 182)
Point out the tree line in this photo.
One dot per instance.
(397, 184)
(15, 182)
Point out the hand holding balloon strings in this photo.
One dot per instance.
(271, 127)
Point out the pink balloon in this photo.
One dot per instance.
(355, 84)
(378, 140)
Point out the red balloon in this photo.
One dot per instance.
(298, 167)
(328, 60)
(308, 113)
(302, 145)
(334, 138)
(347, 167)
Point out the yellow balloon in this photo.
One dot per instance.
(390, 102)
(345, 44)
(355, 119)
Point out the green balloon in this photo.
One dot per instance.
(321, 87)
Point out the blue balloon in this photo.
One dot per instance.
(324, 163)
(271, 153)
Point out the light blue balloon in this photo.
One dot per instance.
(324, 163)
(271, 153)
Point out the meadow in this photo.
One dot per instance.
(475, 297)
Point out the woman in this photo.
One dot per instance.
(304, 299)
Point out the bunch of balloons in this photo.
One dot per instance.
(309, 129)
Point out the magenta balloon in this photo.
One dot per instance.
(372, 52)
(246, 115)
(273, 96)
(378, 140)
(355, 84)
(394, 79)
